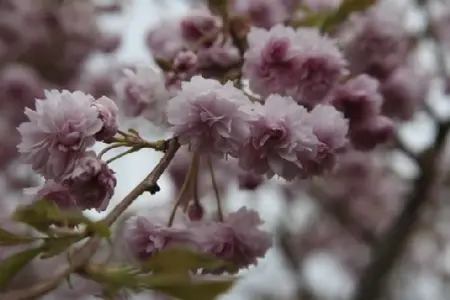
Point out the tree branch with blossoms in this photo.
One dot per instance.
(310, 92)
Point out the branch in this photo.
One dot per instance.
(394, 242)
(85, 252)
(341, 215)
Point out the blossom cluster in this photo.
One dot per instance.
(244, 92)
(56, 141)
(236, 240)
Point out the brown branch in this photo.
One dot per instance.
(339, 213)
(83, 255)
(394, 242)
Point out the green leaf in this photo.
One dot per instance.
(181, 260)
(12, 265)
(10, 239)
(42, 214)
(218, 7)
(56, 245)
(181, 285)
(186, 288)
(329, 20)
(346, 8)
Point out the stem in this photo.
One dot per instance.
(216, 189)
(340, 214)
(114, 146)
(83, 254)
(131, 150)
(195, 184)
(185, 188)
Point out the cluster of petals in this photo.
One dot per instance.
(404, 91)
(237, 239)
(360, 100)
(263, 13)
(143, 92)
(299, 63)
(197, 31)
(278, 137)
(57, 136)
(376, 42)
(209, 116)
(291, 142)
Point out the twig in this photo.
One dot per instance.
(185, 188)
(83, 254)
(216, 189)
(120, 155)
(339, 213)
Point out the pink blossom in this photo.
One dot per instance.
(376, 42)
(238, 239)
(404, 92)
(19, 86)
(208, 117)
(185, 62)
(145, 238)
(358, 98)
(107, 111)
(217, 55)
(199, 25)
(249, 180)
(57, 193)
(165, 40)
(373, 131)
(280, 138)
(302, 63)
(60, 129)
(91, 183)
(143, 92)
(331, 129)
(263, 13)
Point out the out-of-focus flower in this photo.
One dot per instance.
(263, 13)
(368, 134)
(299, 63)
(404, 92)
(165, 40)
(238, 239)
(358, 98)
(143, 92)
(376, 42)
(145, 238)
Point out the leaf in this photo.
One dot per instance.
(186, 288)
(182, 285)
(13, 264)
(181, 260)
(10, 239)
(56, 245)
(329, 20)
(346, 8)
(218, 7)
(42, 214)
